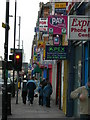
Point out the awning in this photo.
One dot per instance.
(37, 70)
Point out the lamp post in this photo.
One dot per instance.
(18, 70)
(4, 92)
(13, 93)
(13, 88)
(19, 31)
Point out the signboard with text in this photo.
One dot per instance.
(56, 52)
(79, 28)
(60, 11)
(60, 5)
(43, 24)
(57, 24)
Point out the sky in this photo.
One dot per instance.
(28, 10)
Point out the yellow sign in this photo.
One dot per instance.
(4, 25)
(60, 5)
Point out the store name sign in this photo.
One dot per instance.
(57, 24)
(79, 28)
(56, 53)
(43, 24)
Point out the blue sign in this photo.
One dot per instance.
(60, 11)
(56, 52)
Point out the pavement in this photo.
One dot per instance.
(26, 111)
(21, 110)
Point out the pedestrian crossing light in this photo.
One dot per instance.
(18, 61)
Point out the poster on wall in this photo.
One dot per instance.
(56, 52)
(79, 27)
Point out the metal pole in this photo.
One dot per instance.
(4, 94)
(13, 90)
(17, 86)
(19, 32)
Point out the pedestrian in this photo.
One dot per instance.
(47, 91)
(83, 94)
(40, 90)
(44, 83)
(24, 91)
(31, 86)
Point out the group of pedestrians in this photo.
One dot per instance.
(44, 89)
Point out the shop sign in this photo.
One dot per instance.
(56, 52)
(57, 24)
(60, 5)
(60, 11)
(43, 24)
(79, 28)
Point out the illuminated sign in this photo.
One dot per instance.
(56, 52)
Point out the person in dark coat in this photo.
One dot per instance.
(24, 91)
(40, 90)
(43, 83)
(31, 86)
(47, 91)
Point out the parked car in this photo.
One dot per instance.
(1, 83)
(9, 84)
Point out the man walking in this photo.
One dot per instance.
(31, 86)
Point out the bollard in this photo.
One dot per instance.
(9, 103)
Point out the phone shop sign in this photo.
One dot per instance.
(79, 28)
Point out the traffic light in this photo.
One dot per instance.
(11, 57)
(18, 61)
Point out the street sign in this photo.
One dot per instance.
(5, 26)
